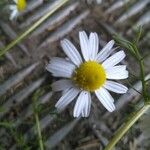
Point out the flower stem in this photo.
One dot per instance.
(141, 63)
(35, 112)
(142, 74)
(33, 27)
(120, 132)
(39, 132)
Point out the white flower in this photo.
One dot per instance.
(91, 74)
(17, 8)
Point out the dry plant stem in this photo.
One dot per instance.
(120, 132)
(35, 25)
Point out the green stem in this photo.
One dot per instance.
(120, 132)
(143, 78)
(142, 74)
(35, 111)
(39, 132)
(35, 25)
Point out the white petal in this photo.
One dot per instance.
(114, 59)
(71, 52)
(106, 99)
(117, 72)
(81, 103)
(79, 106)
(67, 98)
(84, 43)
(59, 67)
(62, 85)
(16, 1)
(115, 87)
(87, 107)
(94, 44)
(105, 52)
(12, 7)
(64, 91)
(13, 15)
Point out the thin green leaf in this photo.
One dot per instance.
(124, 43)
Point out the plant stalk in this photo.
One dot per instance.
(142, 74)
(120, 132)
(39, 132)
(35, 111)
(141, 63)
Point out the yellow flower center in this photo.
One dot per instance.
(21, 5)
(89, 76)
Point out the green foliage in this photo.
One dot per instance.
(17, 136)
(125, 44)
(132, 47)
(138, 35)
(1, 109)
(35, 97)
(3, 3)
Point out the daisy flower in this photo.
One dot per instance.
(92, 72)
(16, 8)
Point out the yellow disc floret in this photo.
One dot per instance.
(89, 76)
(21, 5)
